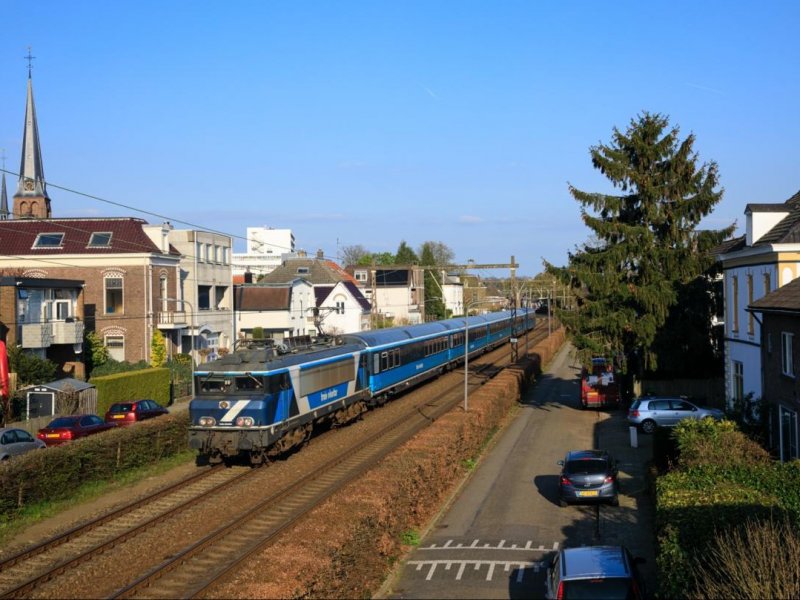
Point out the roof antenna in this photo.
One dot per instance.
(30, 61)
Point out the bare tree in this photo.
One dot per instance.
(442, 254)
(351, 255)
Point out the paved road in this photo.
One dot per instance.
(500, 532)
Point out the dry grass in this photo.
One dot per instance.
(758, 560)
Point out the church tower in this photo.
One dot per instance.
(31, 199)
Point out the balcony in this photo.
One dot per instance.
(172, 319)
(44, 335)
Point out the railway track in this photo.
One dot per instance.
(23, 572)
(195, 570)
(203, 562)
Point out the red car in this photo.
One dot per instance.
(127, 413)
(65, 429)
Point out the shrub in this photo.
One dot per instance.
(720, 443)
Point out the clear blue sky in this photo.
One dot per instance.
(375, 122)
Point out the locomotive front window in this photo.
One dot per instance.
(215, 385)
(248, 383)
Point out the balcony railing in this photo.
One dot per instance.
(172, 319)
(44, 335)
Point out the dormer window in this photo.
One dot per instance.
(100, 239)
(49, 240)
(302, 270)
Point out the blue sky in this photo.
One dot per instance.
(375, 122)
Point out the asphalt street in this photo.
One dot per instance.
(503, 526)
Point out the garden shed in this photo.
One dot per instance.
(66, 396)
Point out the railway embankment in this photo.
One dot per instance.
(348, 545)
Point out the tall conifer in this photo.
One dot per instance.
(645, 243)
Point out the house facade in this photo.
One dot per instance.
(765, 259)
(46, 318)
(206, 291)
(395, 291)
(779, 313)
(280, 310)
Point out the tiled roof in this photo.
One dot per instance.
(321, 292)
(17, 236)
(785, 298)
(259, 297)
(730, 245)
(787, 230)
(314, 271)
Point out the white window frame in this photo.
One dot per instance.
(787, 353)
(118, 350)
(738, 380)
(121, 288)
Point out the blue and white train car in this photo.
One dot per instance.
(258, 402)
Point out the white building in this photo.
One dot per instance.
(265, 248)
(341, 308)
(281, 310)
(766, 258)
(206, 289)
(394, 292)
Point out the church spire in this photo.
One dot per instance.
(3, 200)
(31, 199)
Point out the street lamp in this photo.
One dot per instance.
(466, 347)
(191, 334)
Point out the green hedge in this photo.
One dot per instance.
(55, 473)
(721, 479)
(133, 385)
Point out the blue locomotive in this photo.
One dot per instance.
(263, 399)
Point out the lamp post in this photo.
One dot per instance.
(191, 334)
(466, 347)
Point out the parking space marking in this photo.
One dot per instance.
(528, 547)
(522, 567)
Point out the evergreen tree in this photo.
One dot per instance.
(30, 369)
(405, 255)
(645, 245)
(434, 301)
(158, 349)
(96, 353)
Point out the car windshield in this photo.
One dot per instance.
(598, 589)
(63, 422)
(588, 466)
(121, 408)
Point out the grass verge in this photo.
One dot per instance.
(34, 513)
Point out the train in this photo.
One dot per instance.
(263, 399)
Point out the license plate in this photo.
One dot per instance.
(52, 435)
(117, 416)
(588, 494)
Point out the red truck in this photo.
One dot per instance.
(599, 387)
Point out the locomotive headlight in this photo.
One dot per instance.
(244, 421)
(206, 421)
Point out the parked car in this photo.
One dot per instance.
(652, 412)
(588, 476)
(598, 572)
(14, 442)
(65, 429)
(127, 413)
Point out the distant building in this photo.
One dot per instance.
(394, 291)
(265, 248)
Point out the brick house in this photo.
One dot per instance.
(126, 264)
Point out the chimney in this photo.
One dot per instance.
(248, 276)
(320, 255)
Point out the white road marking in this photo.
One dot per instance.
(521, 566)
(529, 547)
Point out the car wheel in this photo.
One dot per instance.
(562, 503)
(615, 501)
(649, 426)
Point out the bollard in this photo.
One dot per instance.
(634, 437)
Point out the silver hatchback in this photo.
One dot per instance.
(14, 442)
(652, 412)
